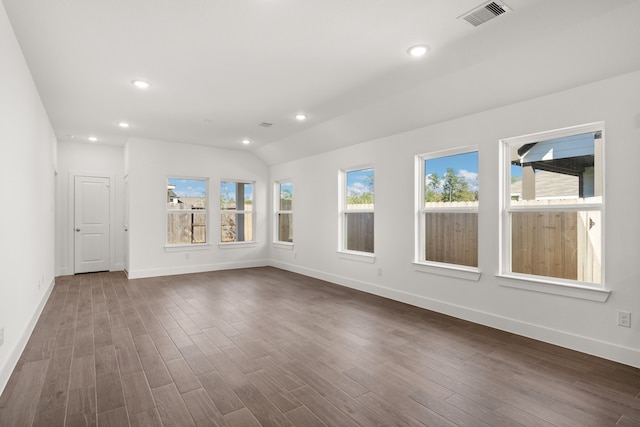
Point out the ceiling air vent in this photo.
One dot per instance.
(485, 12)
(265, 124)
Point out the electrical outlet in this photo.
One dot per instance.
(379, 272)
(624, 318)
(187, 256)
(1, 335)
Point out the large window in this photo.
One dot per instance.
(553, 203)
(448, 208)
(284, 212)
(186, 211)
(236, 211)
(357, 210)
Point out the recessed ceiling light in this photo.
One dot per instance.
(246, 141)
(301, 116)
(141, 84)
(418, 50)
(93, 139)
(123, 124)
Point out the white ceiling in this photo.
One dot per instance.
(219, 68)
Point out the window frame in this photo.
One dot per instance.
(222, 211)
(343, 211)
(178, 246)
(277, 192)
(547, 284)
(421, 264)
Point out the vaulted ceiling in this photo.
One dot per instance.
(220, 68)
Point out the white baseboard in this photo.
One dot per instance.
(188, 269)
(19, 346)
(606, 350)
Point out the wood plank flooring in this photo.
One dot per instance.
(265, 347)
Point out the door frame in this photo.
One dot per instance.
(71, 218)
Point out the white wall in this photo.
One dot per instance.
(27, 147)
(77, 158)
(150, 163)
(575, 323)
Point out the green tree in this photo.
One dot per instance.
(454, 188)
(431, 193)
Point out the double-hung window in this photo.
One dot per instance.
(357, 210)
(186, 211)
(552, 205)
(237, 212)
(284, 212)
(447, 208)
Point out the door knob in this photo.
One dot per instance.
(77, 229)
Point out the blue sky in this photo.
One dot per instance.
(189, 187)
(286, 186)
(357, 181)
(465, 165)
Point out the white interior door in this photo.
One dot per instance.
(91, 224)
(126, 225)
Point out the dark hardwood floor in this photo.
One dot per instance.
(268, 347)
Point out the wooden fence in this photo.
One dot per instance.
(545, 244)
(186, 228)
(452, 237)
(566, 245)
(359, 231)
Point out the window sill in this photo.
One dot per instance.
(552, 287)
(449, 270)
(183, 248)
(237, 245)
(282, 245)
(357, 256)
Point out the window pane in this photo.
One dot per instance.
(186, 228)
(235, 195)
(557, 171)
(228, 195)
(360, 189)
(236, 227)
(186, 193)
(451, 180)
(285, 227)
(359, 231)
(564, 245)
(286, 196)
(452, 237)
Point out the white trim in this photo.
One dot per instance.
(187, 248)
(343, 209)
(550, 286)
(238, 245)
(252, 212)
(183, 211)
(607, 350)
(423, 265)
(276, 209)
(529, 282)
(357, 256)
(448, 270)
(188, 269)
(14, 354)
(282, 245)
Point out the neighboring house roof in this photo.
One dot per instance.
(551, 185)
